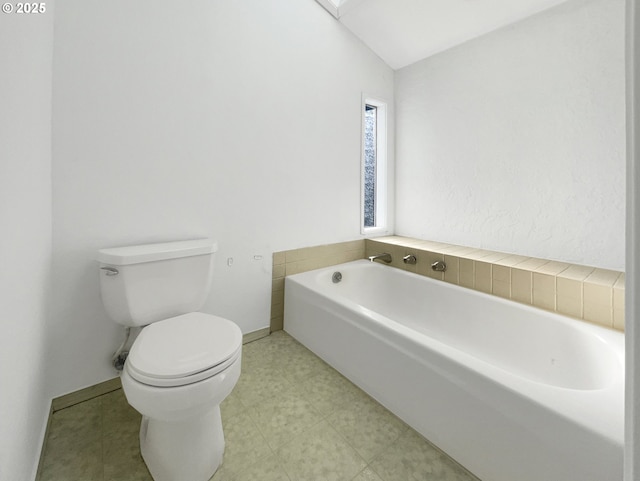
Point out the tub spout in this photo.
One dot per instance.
(381, 257)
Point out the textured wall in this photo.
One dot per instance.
(515, 141)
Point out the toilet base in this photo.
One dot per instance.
(187, 450)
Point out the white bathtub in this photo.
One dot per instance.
(511, 392)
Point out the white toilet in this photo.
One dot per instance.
(183, 363)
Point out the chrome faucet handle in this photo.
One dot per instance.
(439, 266)
(410, 259)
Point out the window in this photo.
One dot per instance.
(374, 168)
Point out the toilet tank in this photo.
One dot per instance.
(147, 283)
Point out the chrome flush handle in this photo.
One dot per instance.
(110, 271)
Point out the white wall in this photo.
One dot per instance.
(235, 120)
(632, 299)
(25, 243)
(515, 141)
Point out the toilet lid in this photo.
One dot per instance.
(183, 346)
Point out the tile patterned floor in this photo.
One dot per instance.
(291, 417)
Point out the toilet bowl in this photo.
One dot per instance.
(176, 375)
(183, 363)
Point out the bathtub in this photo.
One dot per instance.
(511, 392)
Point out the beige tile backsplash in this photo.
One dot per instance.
(467, 272)
(569, 297)
(521, 285)
(501, 281)
(582, 292)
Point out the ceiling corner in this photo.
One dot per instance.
(330, 6)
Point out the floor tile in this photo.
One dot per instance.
(116, 410)
(329, 390)
(411, 458)
(367, 426)
(282, 418)
(122, 458)
(367, 474)
(231, 406)
(74, 446)
(244, 444)
(81, 463)
(291, 417)
(268, 351)
(77, 424)
(256, 356)
(298, 364)
(320, 454)
(259, 384)
(267, 469)
(121, 440)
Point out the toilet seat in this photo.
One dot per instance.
(184, 349)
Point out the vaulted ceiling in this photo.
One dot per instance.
(402, 32)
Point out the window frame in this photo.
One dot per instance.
(381, 189)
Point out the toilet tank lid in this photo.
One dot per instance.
(121, 256)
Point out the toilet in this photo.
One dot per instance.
(183, 363)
